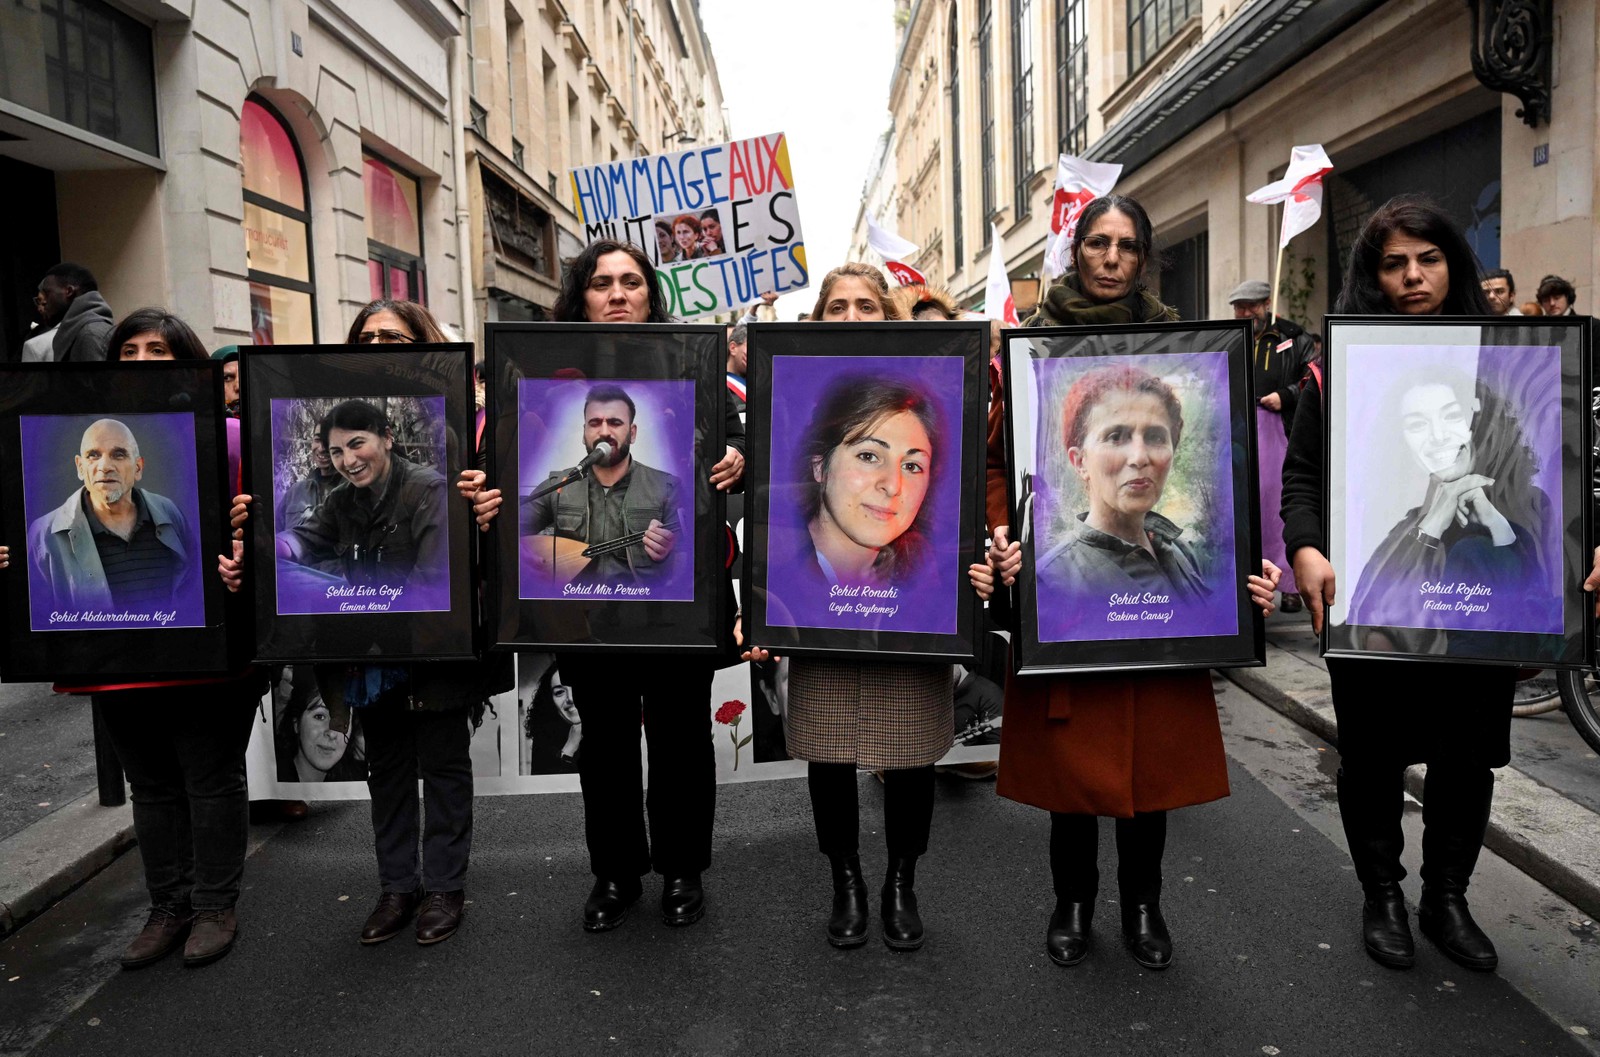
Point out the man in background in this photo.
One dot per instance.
(73, 314)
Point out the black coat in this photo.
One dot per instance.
(1282, 354)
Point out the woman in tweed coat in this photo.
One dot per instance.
(848, 715)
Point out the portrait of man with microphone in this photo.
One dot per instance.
(606, 527)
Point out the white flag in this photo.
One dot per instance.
(997, 301)
(1078, 183)
(1300, 191)
(887, 244)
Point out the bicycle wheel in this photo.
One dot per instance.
(1581, 696)
(1536, 696)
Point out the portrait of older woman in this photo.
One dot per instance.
(1481, 518)
(1121, 426)
(867, 468)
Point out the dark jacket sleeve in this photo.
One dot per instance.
(999, 512)
(1296, 364)
(733, 434)
(1302, 475)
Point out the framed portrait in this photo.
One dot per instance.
(1132, 485)
(112, 503)
(361, 546)
(862, 506)
(1459, 498)
(611, 534)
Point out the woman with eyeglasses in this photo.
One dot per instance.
(418, 719)
(1131, 746)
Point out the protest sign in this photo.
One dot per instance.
(720, 223)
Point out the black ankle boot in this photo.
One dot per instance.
(1144, 931)
(1445, 920)
(1067, 941)
(1384, 929)
(847, 925)
(902, 925)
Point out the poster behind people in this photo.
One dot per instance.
(361, 545)
(112, 499)
(865, 441)
(603, 440)
(1456, 493)
(1128, 451)
(721, 223)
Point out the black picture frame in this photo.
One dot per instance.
(341, 604)
(540, 376)
(183, 463)
(1508, 400)
(1075, 611)
(930, 613)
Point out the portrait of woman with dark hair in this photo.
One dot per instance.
(1121, 426)
(315, 742)
(867, 463)
(686, 234)
(1481, 520)
(384, 523)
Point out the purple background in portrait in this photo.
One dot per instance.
(927, 603)
(1383, 480)
(550, 437)
(302, 591)
(1071, 611)
(166, 444)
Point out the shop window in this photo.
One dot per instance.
(394, 232)
(277, 230)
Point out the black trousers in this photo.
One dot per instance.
(182, 748)
(1456, 718)
(403, 745)
(907, 809)
(672, 699)
(1075, 849)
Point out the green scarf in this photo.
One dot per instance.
(1065, 304)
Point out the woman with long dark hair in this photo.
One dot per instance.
(1129, 746)
(614, 282)
(845, 716)
(417, 719)
(1410, 259)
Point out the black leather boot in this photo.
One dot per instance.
(1371, 806)
(1455, 813)
(847, 925)
(1144, 931)
(902, 925)
(1067, 941)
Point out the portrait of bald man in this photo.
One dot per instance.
(113, 545)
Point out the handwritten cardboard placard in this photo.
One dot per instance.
(720, 223)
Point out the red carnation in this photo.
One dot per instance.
(729, 712)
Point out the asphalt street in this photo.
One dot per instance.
(1259, 893)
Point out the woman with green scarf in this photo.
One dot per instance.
(1131, 746)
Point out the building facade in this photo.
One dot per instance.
(1201, 101)
(262, 170)
(560, 83)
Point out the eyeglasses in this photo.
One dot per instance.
(384, 337)
(1099, 245)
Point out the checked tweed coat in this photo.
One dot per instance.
(1103, 744)
(876, 715)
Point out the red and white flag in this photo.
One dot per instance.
(1078, 183)
(893, 249)
(1300, 191)
(904, 274)
(997, 300)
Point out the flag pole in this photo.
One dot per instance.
(1277, 273)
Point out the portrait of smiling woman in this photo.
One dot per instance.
(868, 460)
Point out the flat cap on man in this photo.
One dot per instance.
(1251, 290)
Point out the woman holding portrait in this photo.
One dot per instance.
(846, 716)
(1131, 746)
(1411, 259)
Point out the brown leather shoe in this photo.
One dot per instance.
(440, 916)
(163, 931)
(211, 937)
(394, 909)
